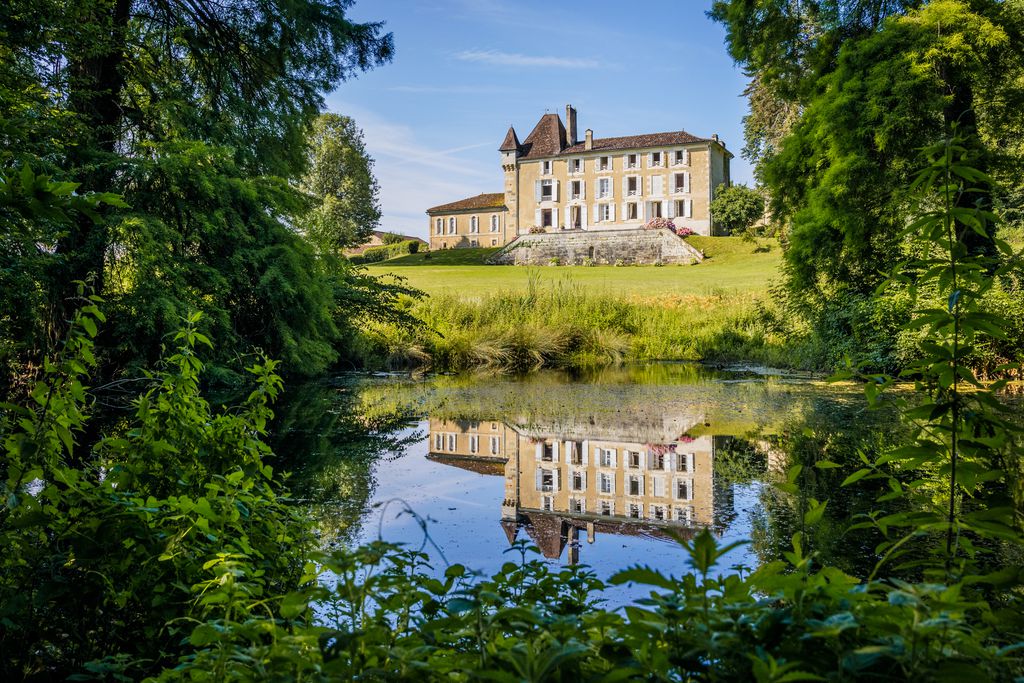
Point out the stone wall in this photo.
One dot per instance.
(576, 247)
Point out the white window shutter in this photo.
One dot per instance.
(597, 214)
(689, 208)
(554, 191)
(611, 212)
(689, 462)
(650, 159)
(536, 218)
(558, 479)
(554, 451)
(625, 186)
(536, 190)
(686, 182)
(583, 218)
(686, 157)
(554, 219)
(568, 217)
(664, 207)
(539, 451)
(583, 189)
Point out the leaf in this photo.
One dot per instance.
(293, 605)
(645, 576)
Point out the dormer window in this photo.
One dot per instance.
(632, 160)
(545, 167)
(604, 163)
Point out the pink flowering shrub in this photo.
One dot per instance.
(684, 232)
(658, 223)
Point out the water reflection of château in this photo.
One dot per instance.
(564, 481)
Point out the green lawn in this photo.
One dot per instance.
(733, 265)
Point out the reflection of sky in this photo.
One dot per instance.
(463, 510)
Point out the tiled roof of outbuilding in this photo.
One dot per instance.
(488, 200)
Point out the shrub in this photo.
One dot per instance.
(683, 231)
(659, 223)
(536, 230)
(387, 251)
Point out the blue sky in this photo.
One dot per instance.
(465, 69)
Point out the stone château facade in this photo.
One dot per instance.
(556, 183)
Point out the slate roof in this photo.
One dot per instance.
(678, 137)
(487, 200)
(546, 139)
(511, 142)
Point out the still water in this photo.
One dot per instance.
(607, 469)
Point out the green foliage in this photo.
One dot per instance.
(736, 208)
(390, 238)
(109, 552)
(387, 251)
(340, 178)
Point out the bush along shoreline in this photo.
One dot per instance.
(170, 550)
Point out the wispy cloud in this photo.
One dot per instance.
(515, 59)
(454, 89)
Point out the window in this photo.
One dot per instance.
(684, 514)
(636, 511)
(632, 213)
(474, 224)
(474, 243)
(579, 481)
(439, 226)
(681, 157)
(654, 160)
(452, 441)
(545, 167)
(546, 217)
(494, 243)
(632, 186)
(606, 482)
(474, 443)
(547, 190)
(495, 445)
(604, 163)
(654, 210)
(575, 165)
(494, 222)
(680, 182)
(684, 462)
(576, 189)
(632, 160)
(633, 460)
(438, 442)
(451, 225)
(577, 505)
(607, 508)
(657, 512)
(684, 489)
(656, 461)
(604, 212)
(607, 457)
(684, 208)
(604, 188)
(636, 486)
(575, 217)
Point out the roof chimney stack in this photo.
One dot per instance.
(589, 144)
(570, 123)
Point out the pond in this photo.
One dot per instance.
(607, 468)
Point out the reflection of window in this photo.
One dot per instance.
(547, 480)
(494, 223)
(633, 458)
(452, 440)
(684, 489)
(574, 453)
(579, 481)
(546, 503)
(607, 483)
(607, 508)
(635, 511)
(657, 461)
(684, 462)
(577, 505)
(451, 225)
(439, 226)
(438, 442)
(636, 486)
(657, 512)
(547, 453)
(474, 443)
(684, 514)
(494, 445)
(607, 457)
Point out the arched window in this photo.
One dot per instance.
(474, 224)
(439, 226)
(494, 222)
(451, 225)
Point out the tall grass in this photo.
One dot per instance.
(563, 324)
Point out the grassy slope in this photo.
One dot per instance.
(733, 265)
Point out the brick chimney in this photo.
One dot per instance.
(589, 144)
(570, 123)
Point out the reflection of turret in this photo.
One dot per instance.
(585, 477)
